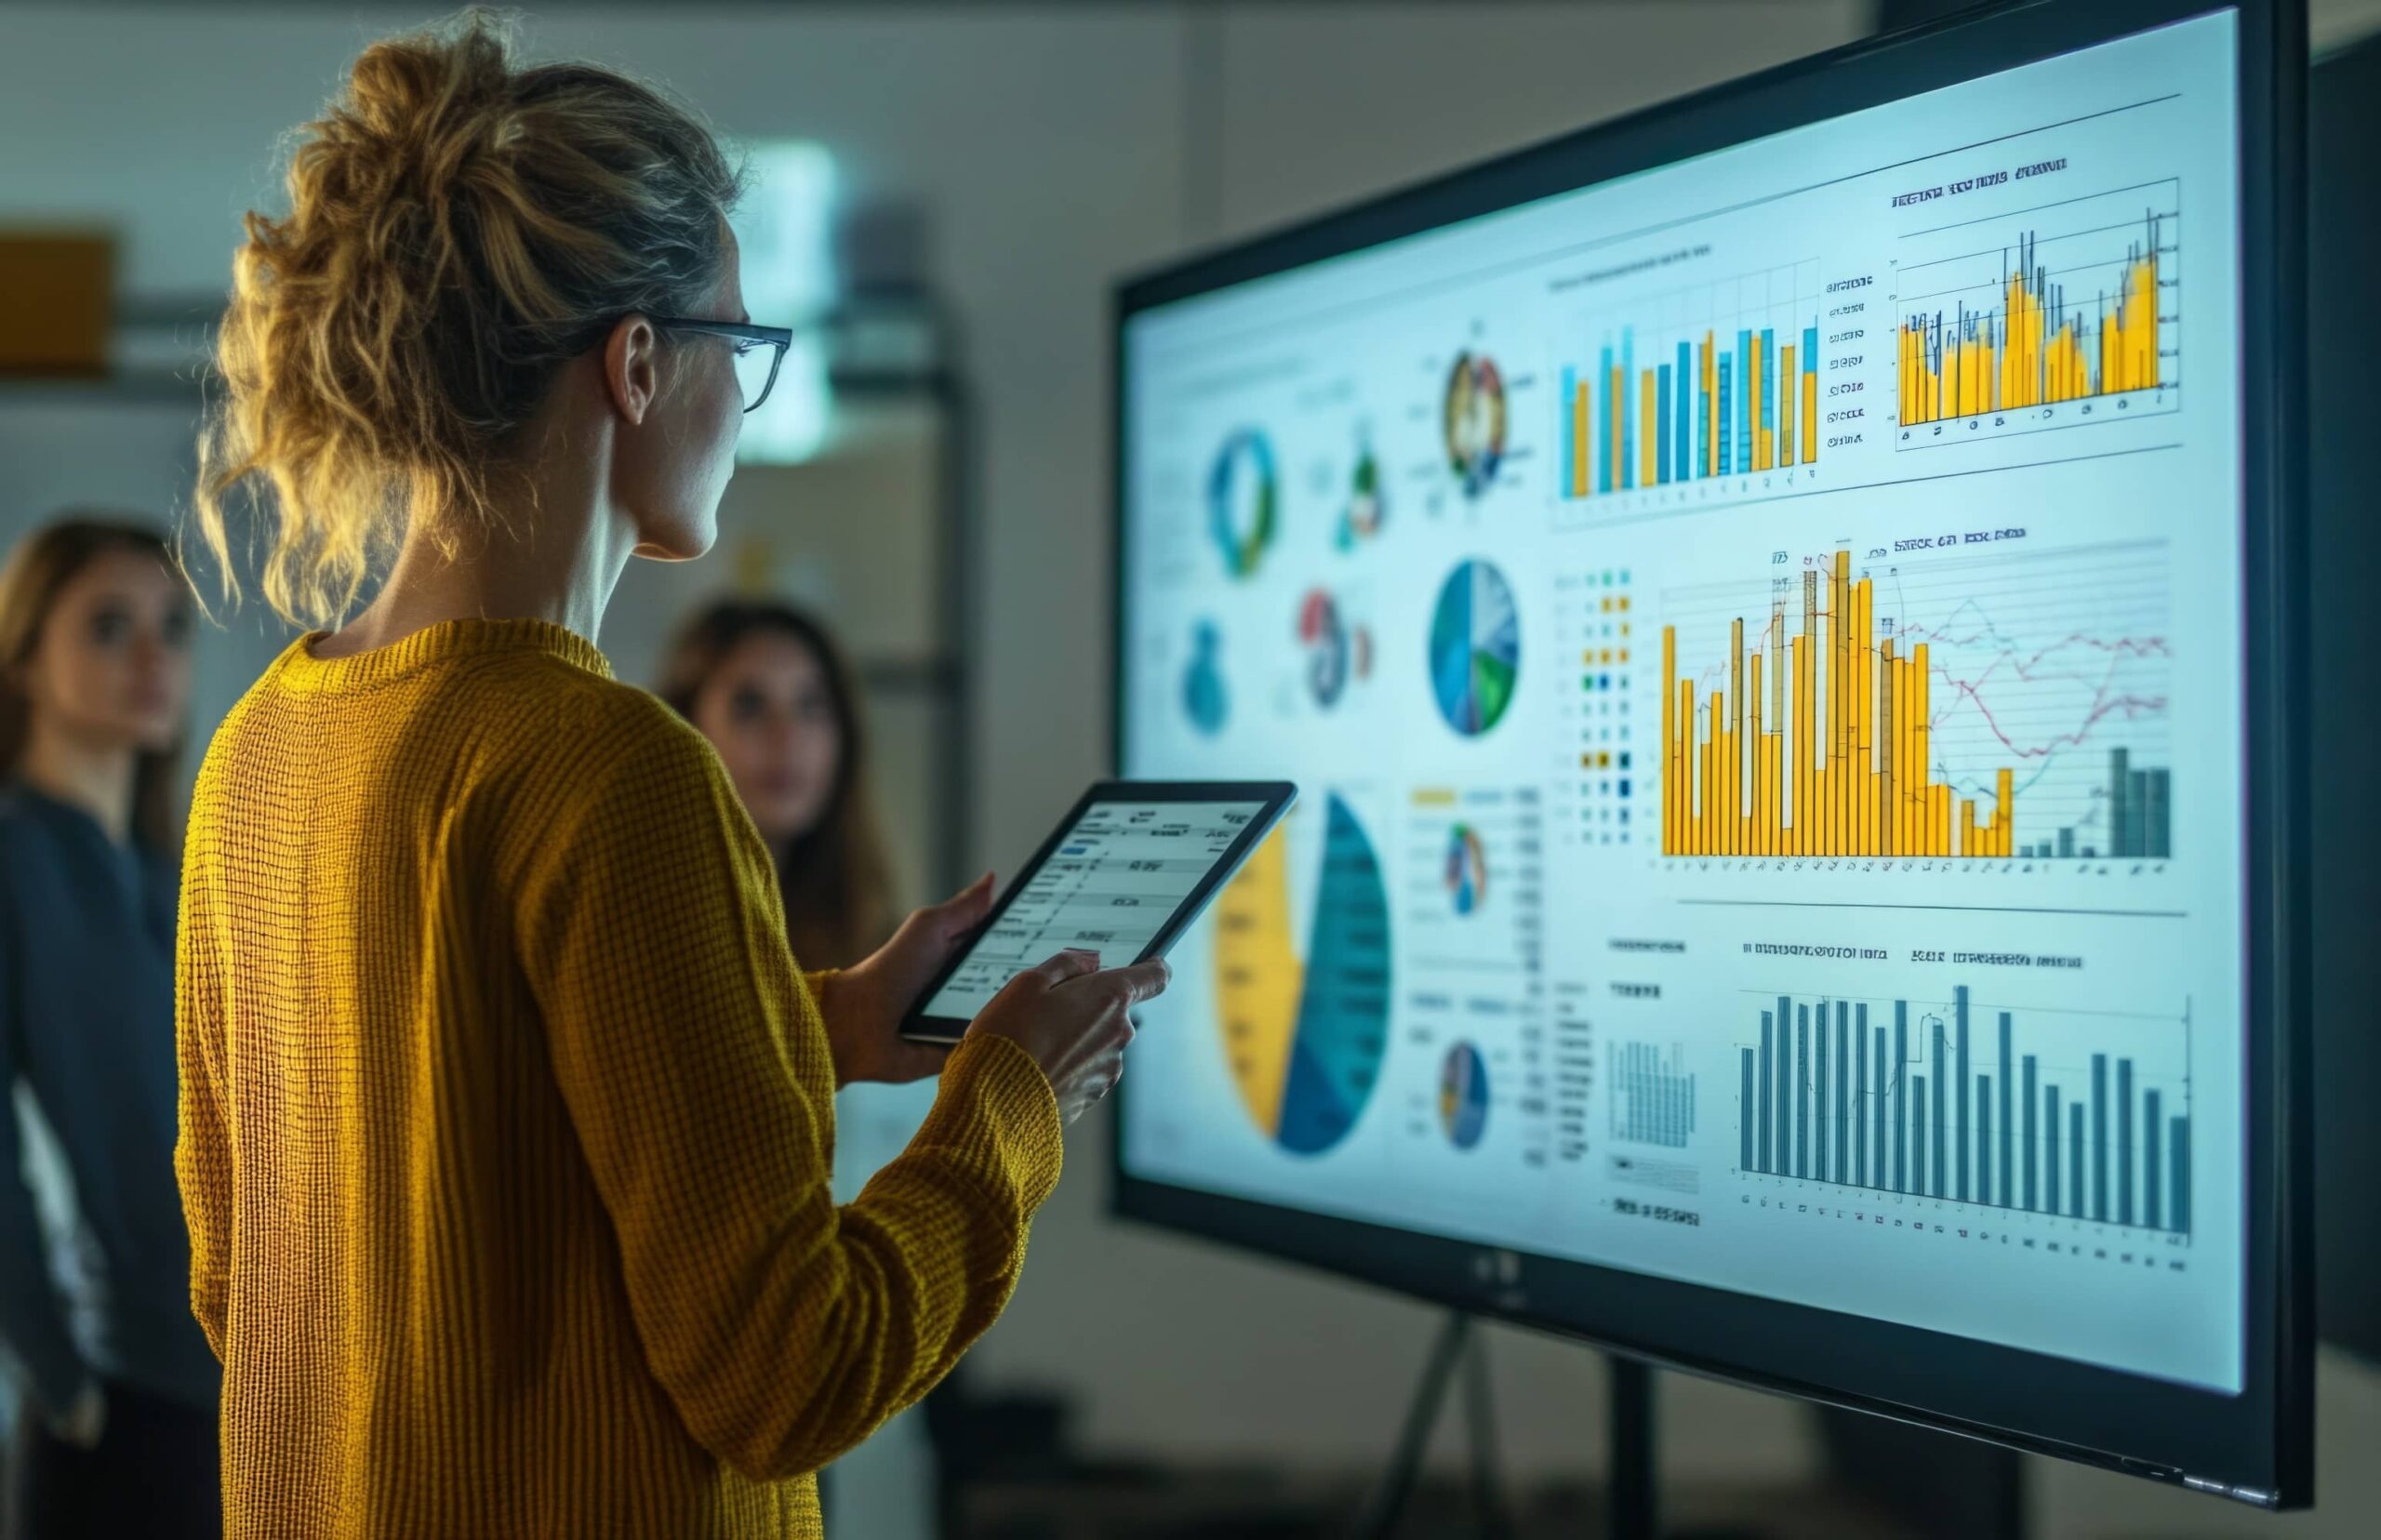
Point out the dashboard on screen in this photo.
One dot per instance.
(1760, 643)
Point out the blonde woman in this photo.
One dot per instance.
(507, 1115)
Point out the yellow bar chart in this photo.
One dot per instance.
(1818, 743)
(2066, 315)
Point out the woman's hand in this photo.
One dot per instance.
(865, 1003)
(1075, 1019)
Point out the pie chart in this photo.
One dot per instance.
(1305, 1026)
(1475, 647)
(1463, 1095)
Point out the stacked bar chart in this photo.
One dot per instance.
(1889, 1096)
(1653, 1097)
(1734, 393)
(2000, 321)
(1920, 711)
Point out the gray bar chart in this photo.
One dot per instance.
(2059, 1128)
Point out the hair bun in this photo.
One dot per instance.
(458, 227)
(422, 106)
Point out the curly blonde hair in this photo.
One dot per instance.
(460, 226)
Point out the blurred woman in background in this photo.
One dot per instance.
(118, 1436)
(767, 686)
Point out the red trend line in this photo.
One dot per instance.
(2103, 704)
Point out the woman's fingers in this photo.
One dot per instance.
(1144, 981)
(1057, 968)
(1075, 1018)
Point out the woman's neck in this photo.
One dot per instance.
(97, 780)
(558, 560)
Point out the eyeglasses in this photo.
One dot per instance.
(760, 351)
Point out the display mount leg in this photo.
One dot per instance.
(1386, 1504)
(1628, 1501)
(1488, 1503)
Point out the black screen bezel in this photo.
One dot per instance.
(1273, 799)
(2257, 1445)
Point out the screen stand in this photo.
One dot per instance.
(1628, 1501)
(1386, 1505)
(1454, 1348)
(1629, 1508)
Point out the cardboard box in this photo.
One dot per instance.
(57, 301)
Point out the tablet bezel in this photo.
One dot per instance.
(1274, 797)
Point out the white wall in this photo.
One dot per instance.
(1056, 147)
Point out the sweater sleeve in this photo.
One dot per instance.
(699, 1077)
(202, 1150)
(32, 1327)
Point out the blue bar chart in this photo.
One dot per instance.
(2070, 1114)
(1729, 386)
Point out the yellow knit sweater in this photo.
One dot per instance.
(506, 1122)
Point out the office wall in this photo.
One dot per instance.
(2330, 23)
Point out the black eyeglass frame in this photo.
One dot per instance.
(780, 338)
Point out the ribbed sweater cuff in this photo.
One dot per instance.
(1016, 1114)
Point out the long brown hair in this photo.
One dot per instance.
(837, 884)
(37, 572)
(461, 226)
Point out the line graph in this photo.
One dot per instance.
(1989, 707)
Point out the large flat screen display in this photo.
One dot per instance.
(1767, 636)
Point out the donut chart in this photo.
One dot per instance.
(1325, 636)
(1467, 868)
(1244, 500)
(1473, 420)
(1305, 1032)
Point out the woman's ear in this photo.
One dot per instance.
(633, 368)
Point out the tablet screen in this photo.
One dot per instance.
(1109, 886)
